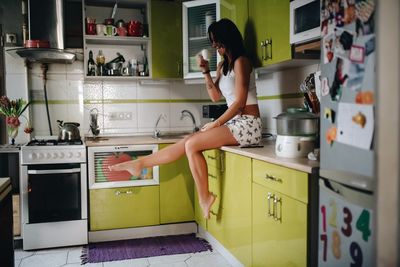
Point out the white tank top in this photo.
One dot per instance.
(227, 87)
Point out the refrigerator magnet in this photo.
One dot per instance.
(330, 135)
(365, 97)
(324, 86)
(357, 54)
(328, 47)
(329, 114)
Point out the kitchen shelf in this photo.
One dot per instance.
(116, 78)
(116, 40)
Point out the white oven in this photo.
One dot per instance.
(101, 157)
(304, 21)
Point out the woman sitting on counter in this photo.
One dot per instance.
(240, 124)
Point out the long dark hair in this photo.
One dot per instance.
(225, 33)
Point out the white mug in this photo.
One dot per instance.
(100, 29)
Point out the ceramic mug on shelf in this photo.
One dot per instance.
(91, 28)
(100, 28)
(110, 30)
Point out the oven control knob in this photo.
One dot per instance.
(48, 155)
(40, 156)
(32, 156)
(62, 155)
(78, 154)
(69, 155)
(55, 155)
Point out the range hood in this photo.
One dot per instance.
(46, 22)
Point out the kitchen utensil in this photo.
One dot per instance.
(121, 31)
(37, 44)
(114, 10)
(94, 127)
(120, 23)
(110, 30)
(135, 28)
(297, 122)
(68, 131)
(294, 146)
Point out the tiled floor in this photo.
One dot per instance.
(71, 257)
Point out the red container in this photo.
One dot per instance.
(37, 44)
(135, 28)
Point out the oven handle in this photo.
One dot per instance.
(74, 170)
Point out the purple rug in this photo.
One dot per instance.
(143, 247)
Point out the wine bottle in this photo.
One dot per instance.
(91, 66)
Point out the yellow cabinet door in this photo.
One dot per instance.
(279, 229)
(237, 11)
(269, 21)
(176, 191)
(124, 207)
(231, 225)
(198, 213)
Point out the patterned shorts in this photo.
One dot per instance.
(246, 129)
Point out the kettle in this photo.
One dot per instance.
(68, 131)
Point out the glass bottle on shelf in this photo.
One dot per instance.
(91, 65)
(100, 60)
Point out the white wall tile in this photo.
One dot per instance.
(123, 91)
(14, 64)
(153, 91)
(186, 121)
(93, 90)
(112, 122)
(148, 114)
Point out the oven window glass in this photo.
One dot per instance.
(307, 17)
(54, 196)
(105, 159)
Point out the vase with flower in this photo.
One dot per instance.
(13, 110)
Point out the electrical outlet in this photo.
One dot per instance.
(120, 116)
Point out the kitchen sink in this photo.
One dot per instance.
(171, 135)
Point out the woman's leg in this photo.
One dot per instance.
(166, 155)
(194, 146)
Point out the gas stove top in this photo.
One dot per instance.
(50, 151)
(53, 142)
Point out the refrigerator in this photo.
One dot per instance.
(347, 157)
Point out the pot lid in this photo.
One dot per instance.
(296, 114)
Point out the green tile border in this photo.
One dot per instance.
(135, 101)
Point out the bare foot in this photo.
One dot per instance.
(206, 205)
(134, 167)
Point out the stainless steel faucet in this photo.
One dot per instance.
(156, 131)
(186, 112)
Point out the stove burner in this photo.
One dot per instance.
(53, 142)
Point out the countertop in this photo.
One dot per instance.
(265, 153)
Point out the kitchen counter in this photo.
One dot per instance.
(266, 153)
(129, 140)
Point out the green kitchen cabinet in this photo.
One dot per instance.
(124, 207)
(176, 191)
(198, 213)
(230, 221)
(237, 11)
(166, 39)
(268, 32)
(280, 214)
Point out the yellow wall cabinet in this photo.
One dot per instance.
(124, 207)
(280, 216)
(176, 191)
(230, 221)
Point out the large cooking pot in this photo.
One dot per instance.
(297, 122)
(69, 131)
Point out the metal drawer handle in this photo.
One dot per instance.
(273, 178)
(127, 192)
(269, 205)
(212, 176)
(278, 200)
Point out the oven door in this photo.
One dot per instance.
(54, 193)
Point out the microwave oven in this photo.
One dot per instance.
(304, 21)
(101, 157)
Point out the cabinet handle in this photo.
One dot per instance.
(221, 158)
(269, 205)
(262, 50)
(127, 192)
(273, 178)
(278, 200)
(212, 176)
(268, 43)
(179, 68)
(211, 157)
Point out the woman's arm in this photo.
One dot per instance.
(212, 86)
